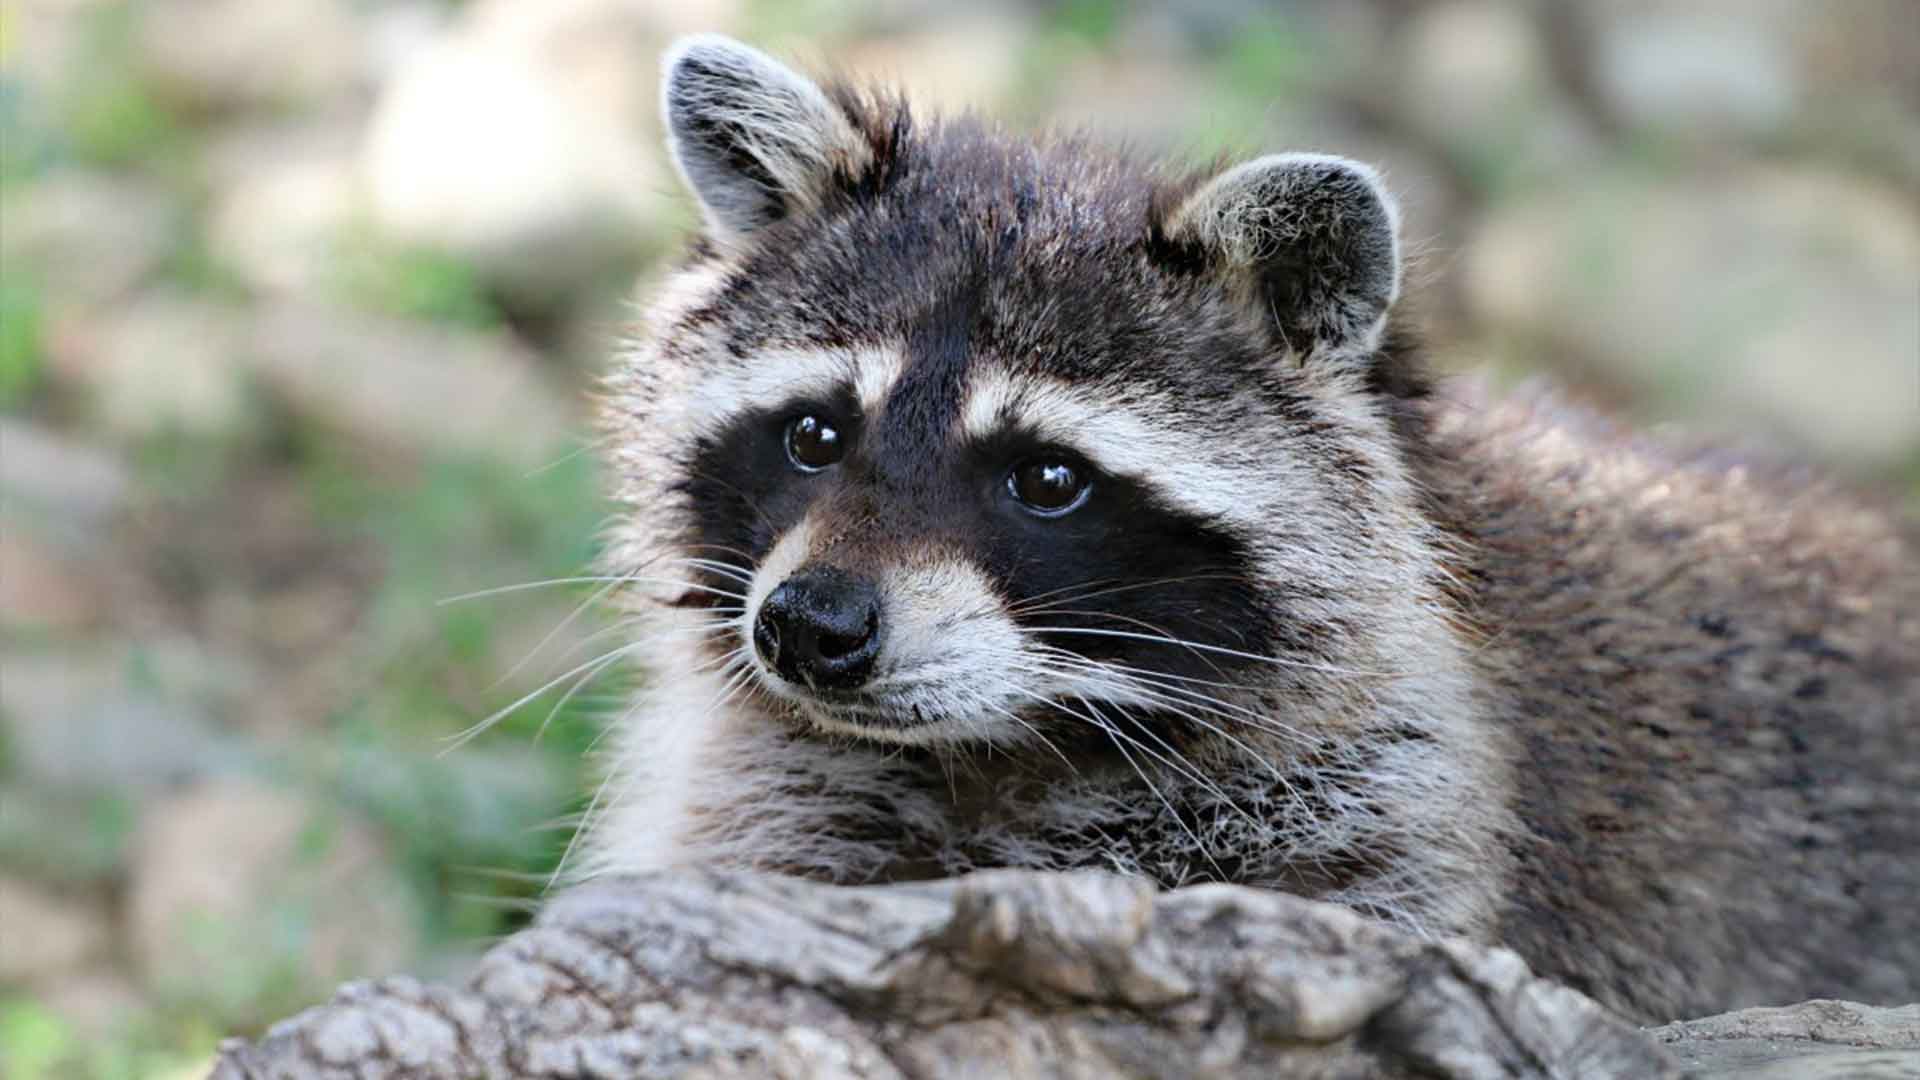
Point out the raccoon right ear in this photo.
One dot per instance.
(1315, 239)
(755, 140)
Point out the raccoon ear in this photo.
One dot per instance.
(754, 139)
(1316, 236)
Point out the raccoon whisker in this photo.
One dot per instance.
(692, 585)
(588, 677)
(586, 821)
(584, 448)
(748, 559)
(1120, 742)
(1098, 719)
(1029, 604)
(1145, 625)
(1185, 710)
(1030, 607)
(628, 624)
(609, 584)
(579, 609)
(1153, 683)
(725, 569)
(615, 580)
(1202, 647)
(541, 731)
(721, 700)
(500, 590)
(1186, 767)
(456, 741)
(1074, 661)
(1035, 731)
(590, 668)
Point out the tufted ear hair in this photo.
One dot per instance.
(754, 139)
(1315, 237)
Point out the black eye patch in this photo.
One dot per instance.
(742, 484)
(1125, 576)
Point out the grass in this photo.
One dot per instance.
(21, 353)
(378, 274)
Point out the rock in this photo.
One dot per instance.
(998, 974)
(71, 481)
(43, 934)
(1703, 69)
(238, 891)
(1468, 66)
(1815, 1040)
(400, 31)
(1775, 300)
(58, 30)
(521, 142)
(85, 239)
(42, 587)
(100, 1003)
(224, 54)
(284, 202)
(168, 362)
(412, 387)
(106, 719)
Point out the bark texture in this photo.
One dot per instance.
(708, 974)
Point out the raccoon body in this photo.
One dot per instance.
(996, 502)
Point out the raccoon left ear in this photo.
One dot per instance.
(754, 139)
(1316, 236)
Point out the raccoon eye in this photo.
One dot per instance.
(1048, 487)
(813, 443)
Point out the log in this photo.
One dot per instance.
(714, 974)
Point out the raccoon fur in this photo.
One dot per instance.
(989, 501)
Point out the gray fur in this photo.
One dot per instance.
(1316, 234)
(1475, 667)
(752, 139)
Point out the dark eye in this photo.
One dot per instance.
(813, 443)
(1048, 487)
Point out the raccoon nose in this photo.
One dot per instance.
(820, 628)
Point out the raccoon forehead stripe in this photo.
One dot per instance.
(1195, 472)
(769, 378)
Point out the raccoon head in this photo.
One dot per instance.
(969, 439)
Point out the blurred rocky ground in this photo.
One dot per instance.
(301, 301)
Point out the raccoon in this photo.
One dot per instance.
(990, 501)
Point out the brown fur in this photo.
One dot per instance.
(1708, 673)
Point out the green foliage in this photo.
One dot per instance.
(380, 275)
(1093, 21)
(113, 116)
(21, 355)
(37, 1043)
(33, 1039)
(468, 818)
(1268, 60)
(75, 837)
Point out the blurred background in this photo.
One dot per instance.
(301, 302)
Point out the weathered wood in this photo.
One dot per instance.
(708, 974)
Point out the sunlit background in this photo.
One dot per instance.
(302, 301)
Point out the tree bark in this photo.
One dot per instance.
(710, 974)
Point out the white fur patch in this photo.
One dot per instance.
(1193, 471)
(779, 377)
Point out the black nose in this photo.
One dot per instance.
(820, 628)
